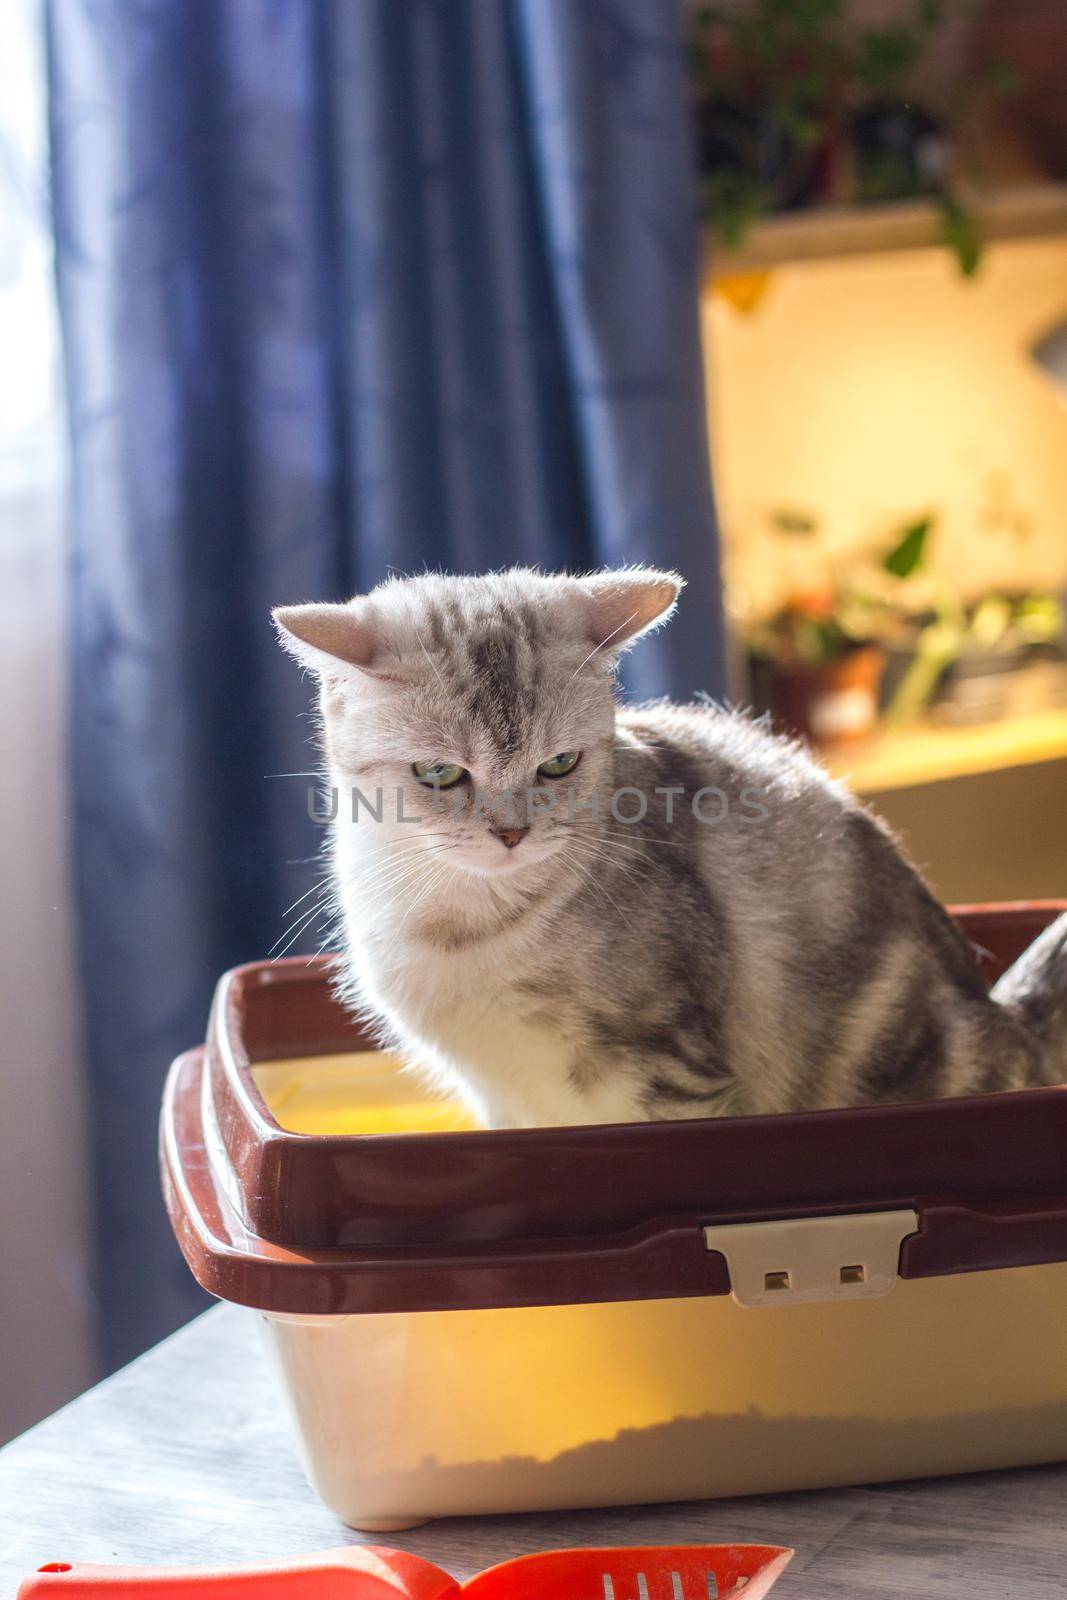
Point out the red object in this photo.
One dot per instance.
(369, 1572)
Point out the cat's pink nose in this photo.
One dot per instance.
(511, 836)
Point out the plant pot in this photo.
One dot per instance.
(836, 703)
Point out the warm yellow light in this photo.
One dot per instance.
(368, 1092)
(872, 388)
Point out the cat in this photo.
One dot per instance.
(567, 912)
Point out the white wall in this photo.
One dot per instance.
(46, 1338)
(46, 1344)
(867, 391)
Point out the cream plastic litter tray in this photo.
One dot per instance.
(473, 1321)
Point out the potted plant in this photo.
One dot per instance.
(824, 673)
(963, 655)
(799, 103)
(818, 661)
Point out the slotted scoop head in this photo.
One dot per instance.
(667, 1572)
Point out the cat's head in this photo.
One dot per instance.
(480, 707)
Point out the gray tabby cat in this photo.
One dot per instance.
(752, 942)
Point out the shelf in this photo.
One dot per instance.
(925, 755)
(1033, 211)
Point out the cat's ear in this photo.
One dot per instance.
(621, 606)
(331, 639)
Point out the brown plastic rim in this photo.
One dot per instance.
(307, 1224)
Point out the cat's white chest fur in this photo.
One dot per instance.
(459, 1024)
(461, 1028)
(513, 1072)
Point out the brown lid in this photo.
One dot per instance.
(312, 1224)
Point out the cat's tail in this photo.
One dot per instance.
(1035, 989)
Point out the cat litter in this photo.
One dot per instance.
(475, 1321)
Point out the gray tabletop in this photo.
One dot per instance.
(186, 1457)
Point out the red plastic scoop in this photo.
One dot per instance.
(369, 1572)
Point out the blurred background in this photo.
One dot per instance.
(296, 293)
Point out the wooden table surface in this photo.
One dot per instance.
(186, 1457)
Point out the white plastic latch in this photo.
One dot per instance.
(806, 1259)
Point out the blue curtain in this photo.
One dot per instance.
(347, 287)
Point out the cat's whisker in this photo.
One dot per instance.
(642, 749)
(332, 935)
(606, 640)
(646, 838)
(404, 871)
(400, 848)
(429, 658)
(322, 889)
(302, 926)
(625, 869)
(633, 869)
(401, 853)
(602, 889)
(405, 864)
(433, 882)
(384, 867)
(391, 887)
(598, 863)
(315, 886)
(392, 869)
(593, 883)
(605, 852)
(620, 841)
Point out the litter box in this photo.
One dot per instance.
(484, 1321)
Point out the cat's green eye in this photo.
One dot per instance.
(559, 766)
(439, 774)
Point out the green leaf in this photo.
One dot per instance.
(961, 234)
(886, 56)
(733, 201)
(907, 554)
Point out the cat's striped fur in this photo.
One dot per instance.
(767, 950)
